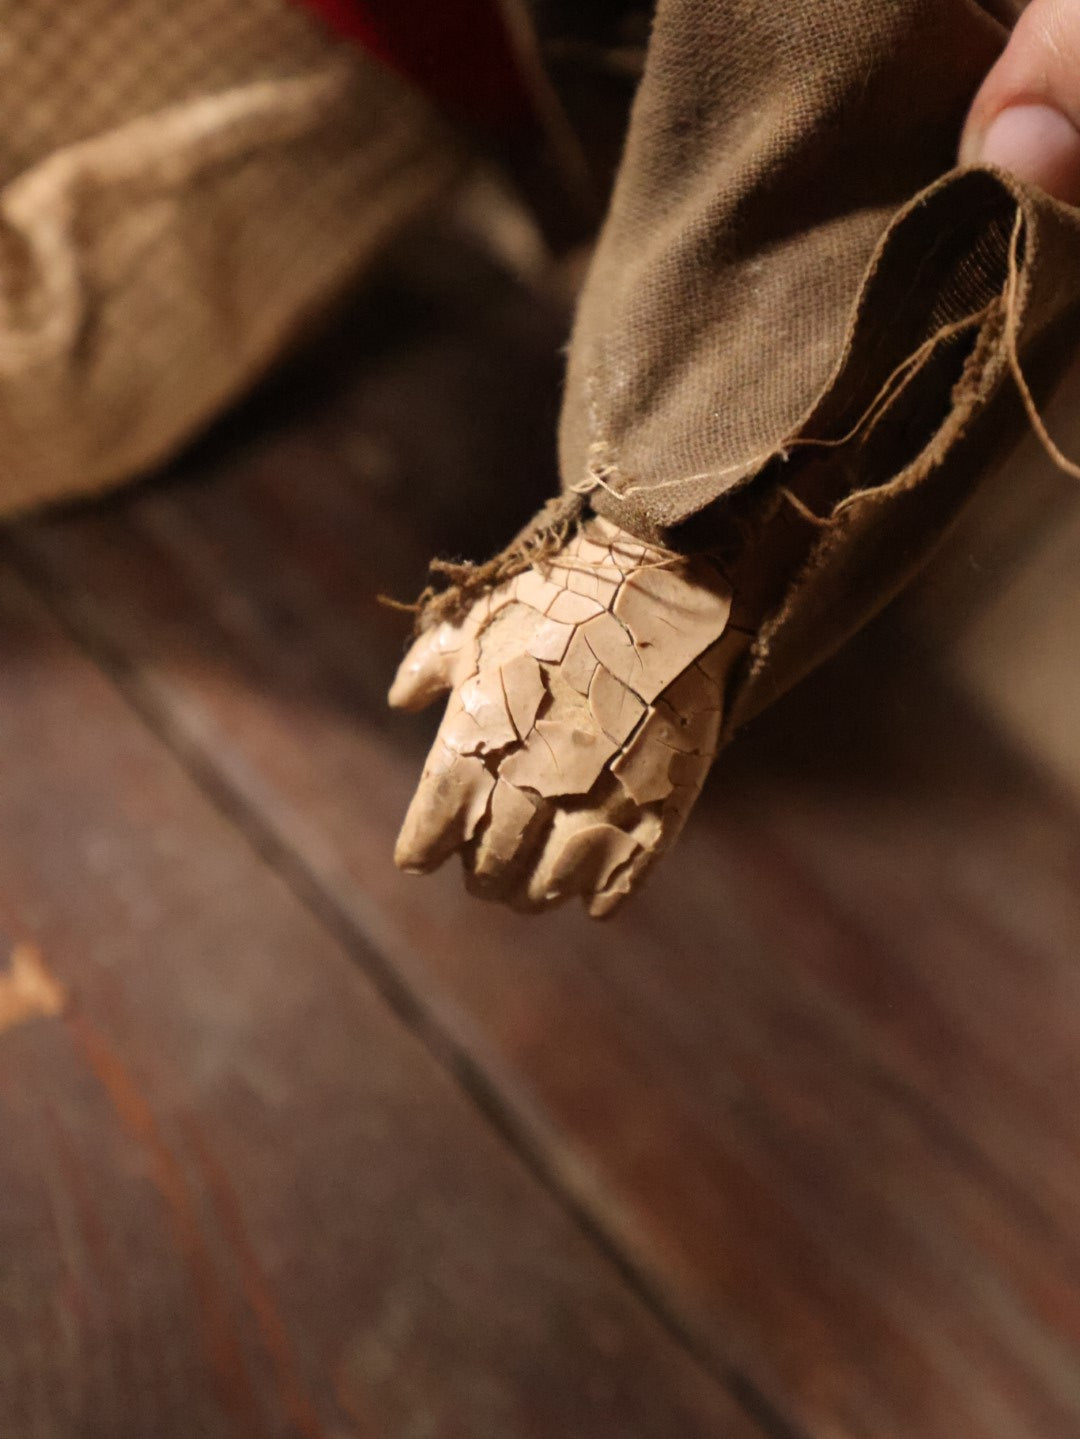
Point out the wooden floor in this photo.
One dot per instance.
(293, 1145)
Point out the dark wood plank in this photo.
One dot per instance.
(812, 1085)
(240, 1197)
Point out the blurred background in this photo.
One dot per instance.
(294, 1145)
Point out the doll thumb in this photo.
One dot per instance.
(425, 673)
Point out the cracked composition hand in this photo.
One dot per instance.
(584, 712)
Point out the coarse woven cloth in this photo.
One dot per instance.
(182, 186)
(790, 256)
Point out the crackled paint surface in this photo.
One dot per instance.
(584, 712)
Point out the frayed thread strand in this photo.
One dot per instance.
(460, 583)
(1012, 351)
(802, 508)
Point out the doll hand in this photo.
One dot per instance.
(584, 712)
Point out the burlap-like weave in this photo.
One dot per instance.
(789, 257)
(181, 186)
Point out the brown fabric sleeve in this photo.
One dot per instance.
(788, 259)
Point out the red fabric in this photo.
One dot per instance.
(459, 52)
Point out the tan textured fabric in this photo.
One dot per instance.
(787, 259)
(181, 185)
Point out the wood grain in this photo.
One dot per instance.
(241, 1198)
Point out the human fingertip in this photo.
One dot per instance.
(1035, 142)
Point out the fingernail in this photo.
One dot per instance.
(1035, 143)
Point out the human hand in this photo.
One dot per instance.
(1026, 116)
(584, 713)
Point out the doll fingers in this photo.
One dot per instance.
(603, 861)
(505, 842)
(623, 881)
(580, 858)
(653, 833)
(451, 800)
(428, 670)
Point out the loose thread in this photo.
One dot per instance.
(1012, 352)
(408, 607)
(463, 582)
(802, 508)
